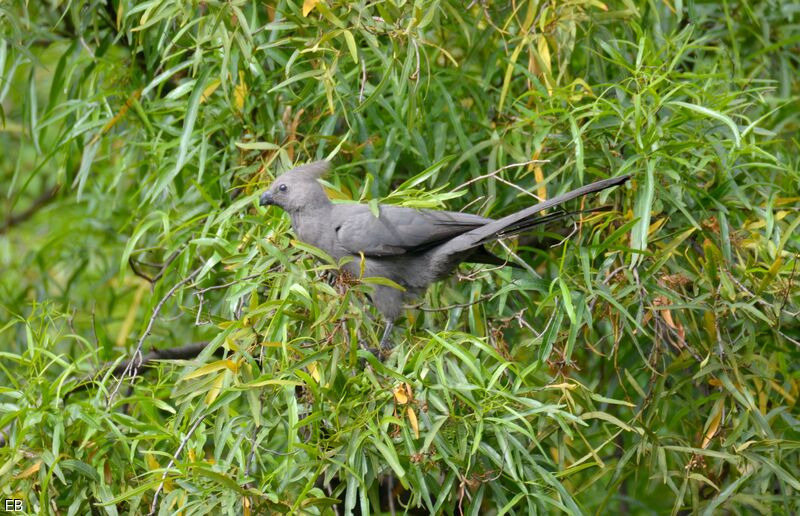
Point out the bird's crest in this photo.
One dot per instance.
(313, 170)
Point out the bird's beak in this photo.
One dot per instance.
(266, 199)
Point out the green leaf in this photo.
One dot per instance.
(712, 114)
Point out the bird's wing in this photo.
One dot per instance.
(398, 230)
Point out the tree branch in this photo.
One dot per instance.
(180, 353)
(38, 203)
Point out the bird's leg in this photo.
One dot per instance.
(385, 345)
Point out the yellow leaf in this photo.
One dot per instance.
(412, 418)
(30, 470)
(713, 423)
(151, 461)
(210, 89)
(561, 386)
(240, 92)
(781, 201)
(120, 13)
(212, 367)
(544, 52)
(655, 226)
(314, 371)
(273, 344)
(400, 394)
(770, 276)
(351, 45)
(745, 445)
(123, 110)
(509, 73)
(308, 6)
(130, 317)
(583, 84)
(786, 395)
(231, 344)
(344, 195)
(538, 174)
(215, 389)
(710, 323)
(540, 63)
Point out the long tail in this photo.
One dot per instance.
(521, 220)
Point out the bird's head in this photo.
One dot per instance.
(298, 188)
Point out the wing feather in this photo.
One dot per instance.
(398, 230)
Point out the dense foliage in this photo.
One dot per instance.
(646, 364)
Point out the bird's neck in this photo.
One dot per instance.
(309, 223)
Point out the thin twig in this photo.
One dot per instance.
(574, 230)
(253, 445)
(605, 282)
(793, 341)
(494, 174)
(86, 46)
(201, 293)
(522, 322)
(472, 276)
(162, 267)
(789, 286)
(137, 358)
(363, 82)
(172, 463)
(137, 272)
(228, 284)
(522, 263)
(754, 297)
(167, 262)
(415, 76)
(419, 306)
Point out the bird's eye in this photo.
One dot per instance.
(282, 188)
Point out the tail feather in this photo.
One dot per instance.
(533, 221)
(525, 219)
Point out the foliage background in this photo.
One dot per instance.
(647, 365)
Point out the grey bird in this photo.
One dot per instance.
(411, 247)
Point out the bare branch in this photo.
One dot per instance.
(180, 353)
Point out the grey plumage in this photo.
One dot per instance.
(411, 247)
